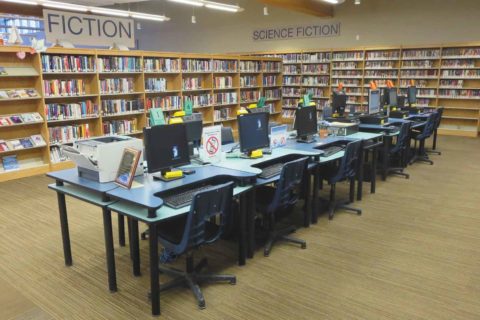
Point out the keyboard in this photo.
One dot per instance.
(327, 152)
(179, 200)
(271, 171)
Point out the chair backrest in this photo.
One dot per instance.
(349, 163)
(290, 178)
(403, 136)
(227, 135)
(438, 119)
(212, 202)
(429, 126)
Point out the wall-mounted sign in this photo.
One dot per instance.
(88, 29)
(296, 32)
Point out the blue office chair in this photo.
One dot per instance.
(399, 151)
(274, 201)
(438, 120)
(227, 135)
(185, 234)
(420, 154)
(346, 170)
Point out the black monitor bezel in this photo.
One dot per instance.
(305, 109)
(240, 119)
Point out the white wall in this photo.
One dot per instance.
(377, 22)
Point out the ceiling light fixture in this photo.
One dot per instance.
(146, 16)
(222, 6)
(194, 19)
(110, 12)
(357, 2)
(189, 2)
(63, 5)
(265, 11)
(331, 1)
(31, 3)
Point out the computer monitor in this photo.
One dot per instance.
(194, 131)
(392, 97)
(166, 147)
(253, 131)
(306, 123)
(339, 102)
(412, 95)
(374, 101)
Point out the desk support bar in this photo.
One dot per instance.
(154, 278)
(107, 226)
(62, 209)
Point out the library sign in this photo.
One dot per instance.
(88, 29)
(297, 32)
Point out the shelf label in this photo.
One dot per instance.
(88, 29)
(297, 32)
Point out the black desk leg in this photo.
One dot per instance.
(360, 175)
(136, 247)
(62, 209)
(251, 210)
(121, 230)
(308, 200)
(373, 175)
(242, 230)
(386, 147)
(154, 278)
(107, 230)
(316, 199)
(130, 241)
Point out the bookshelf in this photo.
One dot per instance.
(84, 93)
(445, 75)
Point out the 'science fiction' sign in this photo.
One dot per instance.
(287, 33)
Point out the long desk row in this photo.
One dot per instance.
(142, 202)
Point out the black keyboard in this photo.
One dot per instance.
(271, 171)
(327, 152)
(179, 200)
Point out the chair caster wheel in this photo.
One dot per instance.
(359, 213)
(201, 305)
(330, 218)
(304, 246)
(233, 282)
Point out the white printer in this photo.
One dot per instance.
(99, 158)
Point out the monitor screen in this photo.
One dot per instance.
(194, 131)
(339, 101)
(166, 147)
(392, 97)
(412, 95)
(306, 121)
(253, 131)
(373, 101)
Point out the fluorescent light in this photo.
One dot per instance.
(110, 12)
(331, 1)
(146, 16)
(22, 2)
(357, 2)
(221, 6)
(189, 2)
(63, 5)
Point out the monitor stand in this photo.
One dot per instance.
(167, 176)
(306, 139)
(255, 154)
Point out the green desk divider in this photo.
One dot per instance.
(307, 98)
(261, 102)
(188, 107)
(156, 117)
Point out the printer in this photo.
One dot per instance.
(98, 159)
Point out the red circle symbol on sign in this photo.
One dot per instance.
(212, 145)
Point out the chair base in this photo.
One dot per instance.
(344, 206)
(192, 277)
(420, 158)
(398, 172)
(282, 234)
(439, 153)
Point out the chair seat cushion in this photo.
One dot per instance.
(172, 229)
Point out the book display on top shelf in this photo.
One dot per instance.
(118, 64)
(159, 65)
(52, 63)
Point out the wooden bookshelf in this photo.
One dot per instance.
(445, 75)
(152, 79)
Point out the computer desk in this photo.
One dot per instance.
(140, 204)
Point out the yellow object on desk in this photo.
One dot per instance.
(256, 154)
(173, 174)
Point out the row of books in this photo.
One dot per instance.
(291, 57)
(316, 92)
(290, 102)
(461, 73)
(223, 114)
(315, 68)
(115, 127)
(430, 93)
(425, 102)
(66, 111)
(57, 87)
(417, 64)
(161, 65)
(18, 93)
(451, 84)
(380, 65)
(273, 94)
(269, 80)
(117, 85)
(117, 106)
(33, 141)
(458, 63)
(248, 81)
(353, 91)
(316, 57)
(164, 103)
(344, 65)
(155, 84)
(316, 81)
(119, 64)
(433, 73)
(286, 91)
(196, 65)
(292, 80)
(272, 66)
(379, 55)
(68, 134)
(454, 52)
(224, 65)
(250, 66)
(463, 93)
(293, 69)
(225, 98)
(381, 74)
(67, 63)
(249, 95)
(346, 82)
(192, 83)
(419, 83)
(10, 120)
(321, 104)
(56, 154)
(201, 100)
(288, 114)
(223, 82)
(270, 107)
(347, 74)
(421, 54)
(353, 55)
